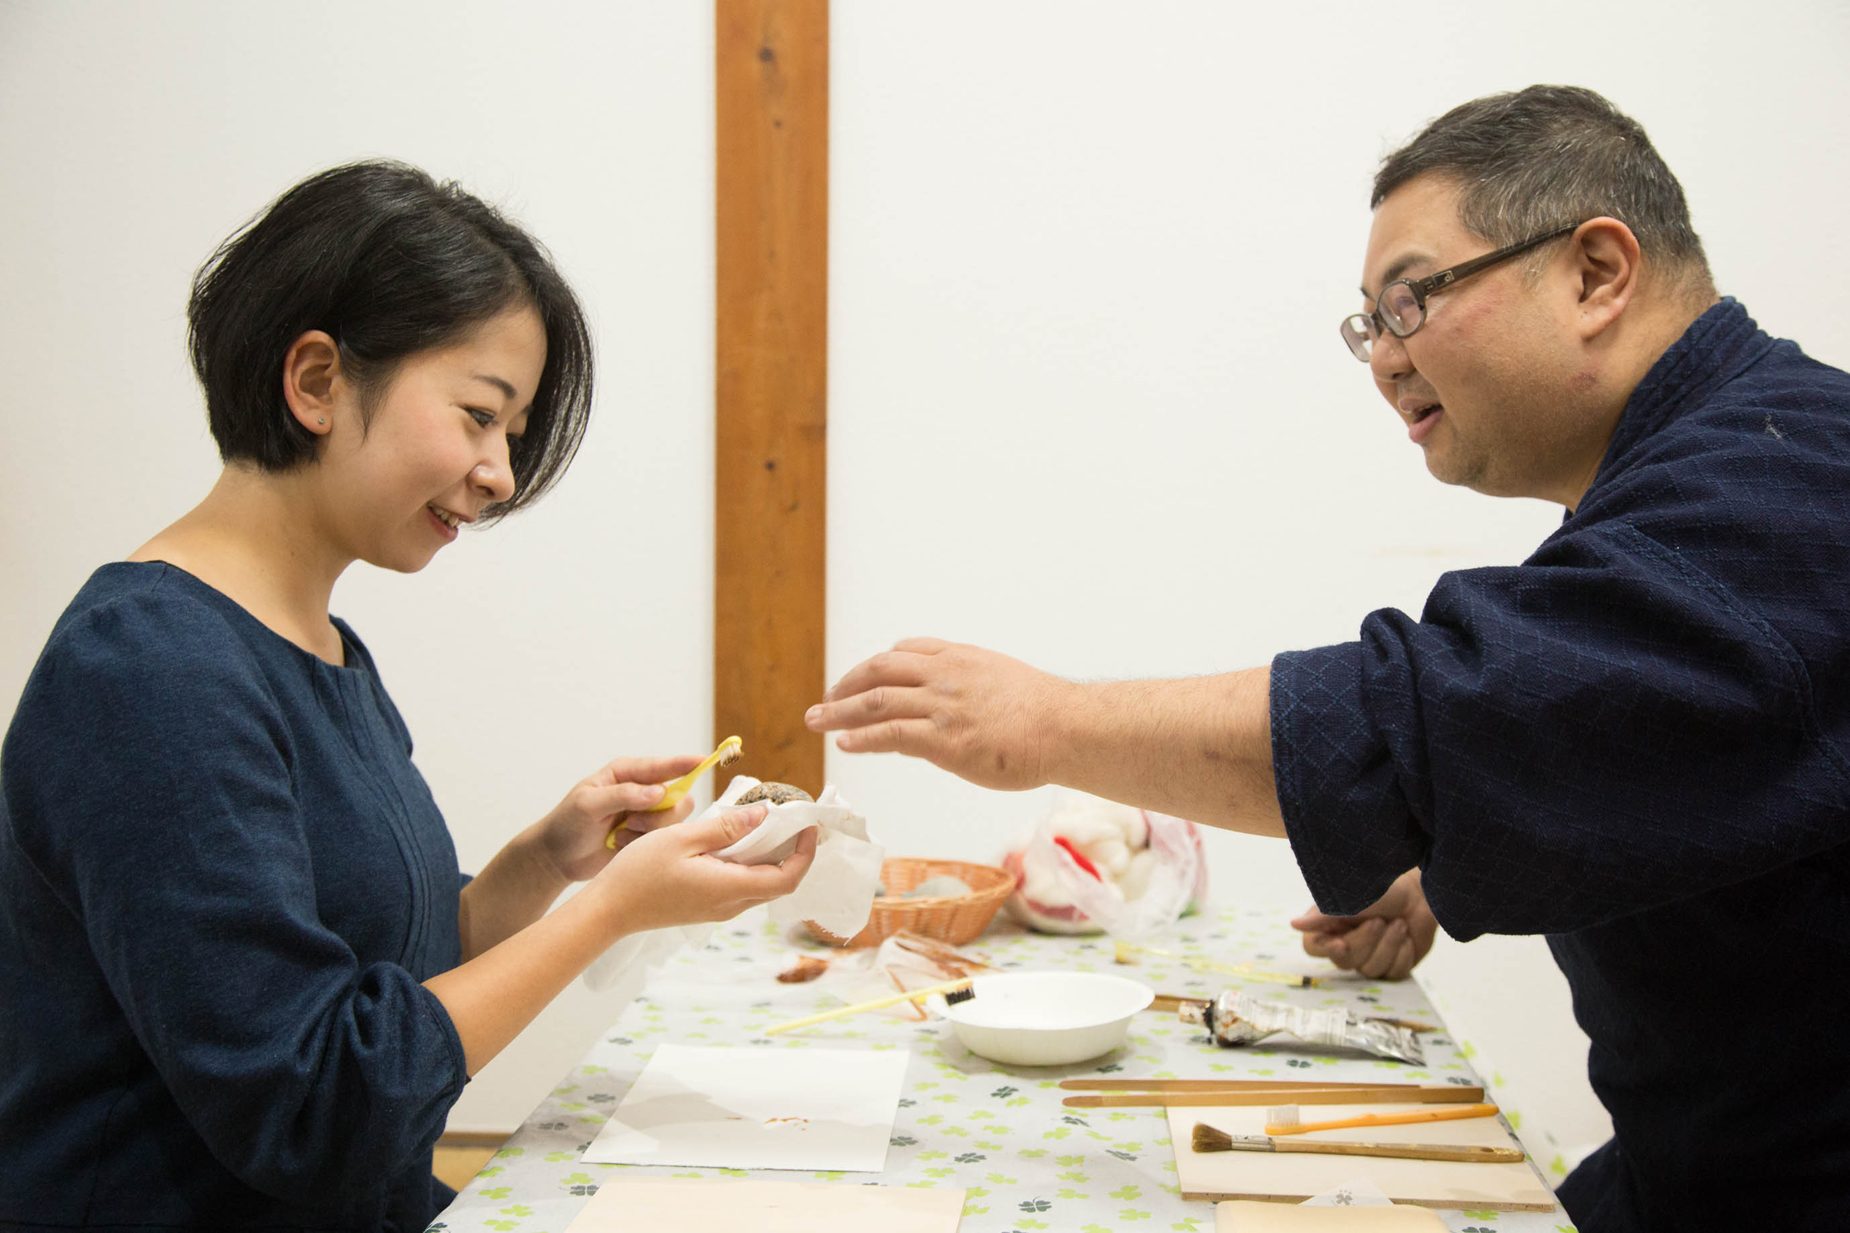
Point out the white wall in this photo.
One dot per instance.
(1088, 403)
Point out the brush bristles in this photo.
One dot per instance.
(1208, 1139)
(955, 996)
(1283, 1117)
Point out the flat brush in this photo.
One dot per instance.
(1285, 1119)
(1210, 1139)
(954, 991)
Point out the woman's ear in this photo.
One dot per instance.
(1607, 265)
(311, 375)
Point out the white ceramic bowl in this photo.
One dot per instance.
(1047, 1018)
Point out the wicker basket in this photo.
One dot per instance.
(955, 919)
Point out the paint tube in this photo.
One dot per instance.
(1235, 1018)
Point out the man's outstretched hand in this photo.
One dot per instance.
(972, 712)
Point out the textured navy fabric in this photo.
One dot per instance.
(1638, 743)
(221, 882)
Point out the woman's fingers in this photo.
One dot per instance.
(649, 769)
(602, 802)
(723, 829)
(776, 881)
(654, 820)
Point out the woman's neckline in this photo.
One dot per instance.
(349, 656)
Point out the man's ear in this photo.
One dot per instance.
(1606, 257)
(311, 373)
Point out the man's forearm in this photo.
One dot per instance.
(1197, 748)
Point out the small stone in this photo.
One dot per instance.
(774, 793)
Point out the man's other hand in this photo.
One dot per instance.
(1383, 941)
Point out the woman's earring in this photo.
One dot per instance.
(319, 420)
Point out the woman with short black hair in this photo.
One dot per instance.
(244, 980)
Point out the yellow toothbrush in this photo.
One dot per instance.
(729, 751)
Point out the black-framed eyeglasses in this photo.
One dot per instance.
(1400, 309)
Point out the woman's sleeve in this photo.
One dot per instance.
(1600, 730)
(160, 772)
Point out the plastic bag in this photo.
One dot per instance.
(1093, 865)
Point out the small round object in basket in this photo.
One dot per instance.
(1047, 1018)
(955, 919)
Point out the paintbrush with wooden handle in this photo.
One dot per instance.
(1210, 1139)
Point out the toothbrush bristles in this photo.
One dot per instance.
(955, 996)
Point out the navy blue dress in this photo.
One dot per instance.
(1638, 743)
(221, 884)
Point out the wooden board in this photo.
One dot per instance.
(1294, 1178)
(771, 412)
(1239, 1216)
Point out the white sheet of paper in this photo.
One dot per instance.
(718, 1205)
(757, 1108)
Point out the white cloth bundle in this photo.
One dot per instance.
(837, 893)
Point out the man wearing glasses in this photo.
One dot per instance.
(1637, 742)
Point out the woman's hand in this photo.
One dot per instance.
(667, 877)
(572, 836)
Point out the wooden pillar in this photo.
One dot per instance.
(772, 388)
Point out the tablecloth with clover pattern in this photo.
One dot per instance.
(1027, 1161)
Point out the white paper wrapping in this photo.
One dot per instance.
(837, 893)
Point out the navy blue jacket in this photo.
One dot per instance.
(221, 884)
(1638, 743)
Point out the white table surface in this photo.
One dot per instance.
(1027, 1161)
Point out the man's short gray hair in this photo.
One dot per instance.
(1547, 157)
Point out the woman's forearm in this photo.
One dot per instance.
(512, 891)
(497, 993)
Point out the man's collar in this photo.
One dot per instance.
(1717, 347)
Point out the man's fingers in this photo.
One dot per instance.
(870, 706)
(1395, 959)
(920, 646)
(1313, 921)
(1355, 949)
(893, 667)
(907, 736)
(1384, 950)
(1323, 945)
